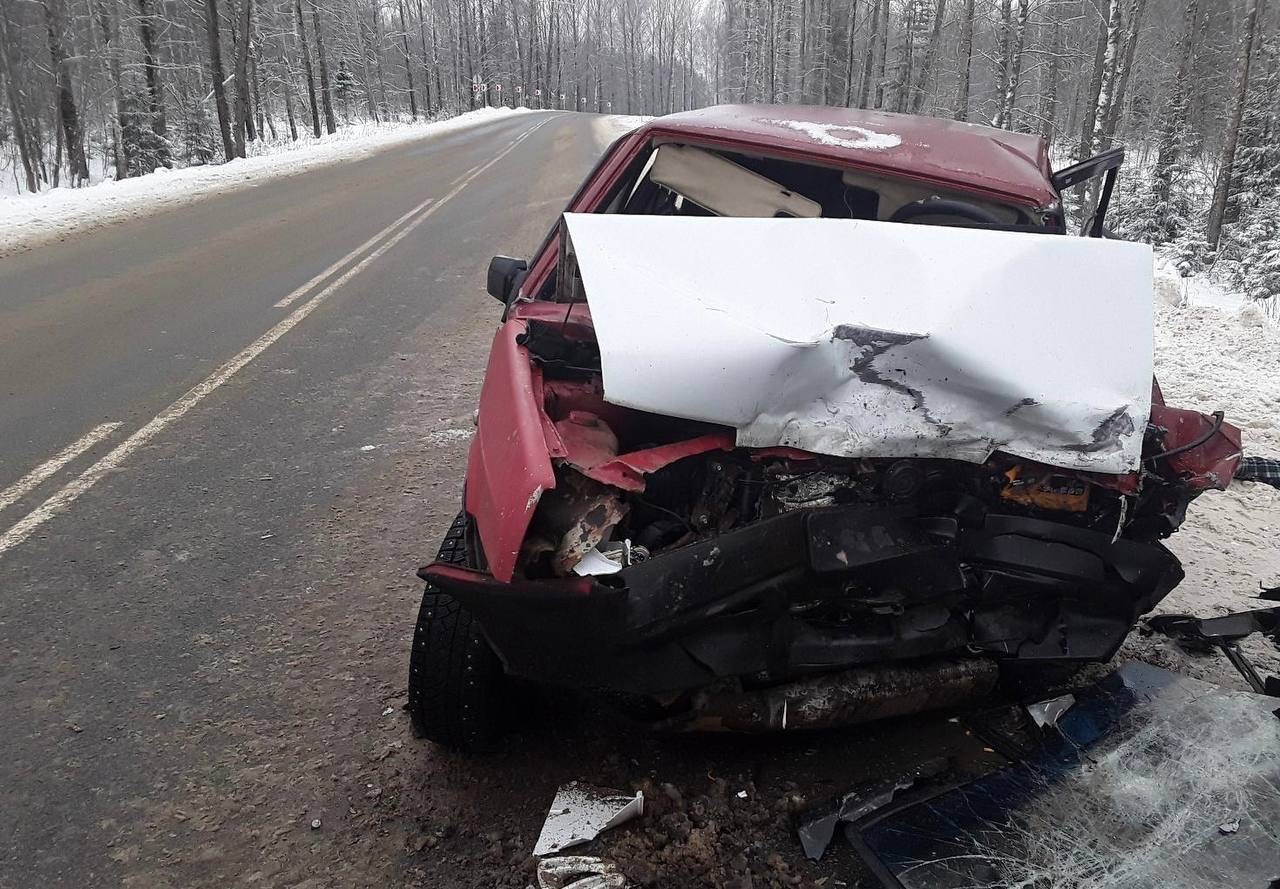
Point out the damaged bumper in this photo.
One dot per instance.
(817, 590)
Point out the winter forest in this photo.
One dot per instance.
(97, 89)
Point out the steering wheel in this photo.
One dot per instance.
(944, 207)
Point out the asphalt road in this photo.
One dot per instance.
(205, 607)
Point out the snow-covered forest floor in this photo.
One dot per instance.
(1217, 351)
(30, 219)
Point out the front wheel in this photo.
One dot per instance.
(456, 683)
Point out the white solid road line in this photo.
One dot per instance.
(292, 297)
(36, 477)
(25, 526)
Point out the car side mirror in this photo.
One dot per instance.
(505, 276)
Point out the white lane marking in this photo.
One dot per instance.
(305, 288)
(36, 477)
(292, 297)
(72, 490)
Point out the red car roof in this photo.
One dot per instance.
(946, 152)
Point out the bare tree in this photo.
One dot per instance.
(1222, 186)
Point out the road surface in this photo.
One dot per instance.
(229, 434)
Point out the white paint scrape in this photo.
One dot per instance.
(28, 220)
(871, 339)
(841, 135)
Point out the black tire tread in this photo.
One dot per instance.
(456, 682)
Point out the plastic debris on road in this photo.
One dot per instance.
(579, 872)
(1047, 713)
(580, 812)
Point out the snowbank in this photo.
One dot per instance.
(1214, 351)
(609, 127)
(31, 219)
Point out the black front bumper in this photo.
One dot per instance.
(743, 603)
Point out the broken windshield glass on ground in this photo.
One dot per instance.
(1142, 779)
(1149, 780)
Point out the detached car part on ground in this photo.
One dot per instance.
(811, 465)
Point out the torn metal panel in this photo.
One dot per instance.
(1152, 780)
(865, 339)
(580, 812)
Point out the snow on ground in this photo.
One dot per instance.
(610, 127)
(1214, 351)
(30, 219)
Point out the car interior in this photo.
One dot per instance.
(687, 180)
(677, 179)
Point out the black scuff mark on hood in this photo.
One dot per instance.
(872, 343)
(1108, 434)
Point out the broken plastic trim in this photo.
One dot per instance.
(817, 830)
(1224, 633)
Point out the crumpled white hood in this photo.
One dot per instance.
(871, 339)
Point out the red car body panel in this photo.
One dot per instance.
(1211, 465)
(510, 462)
(1007, 166)
(627, 471)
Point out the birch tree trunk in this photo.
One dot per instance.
(1092, 96)
(30, 168)
(155, 97)
(241, 44)
(884, 54)
(931, 52)
(1004, 60)
(1009, 102)
(966, 61)
(1049, 85)
(1222, 186)
(408, 63)
(305, 49)
(326, 97)
(850, 31)
(68, 113)
(218, 76)
(868, 70)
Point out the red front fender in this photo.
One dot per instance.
(510, 462)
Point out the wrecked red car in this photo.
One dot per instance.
(804, 416)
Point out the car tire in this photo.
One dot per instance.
(456, 682)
